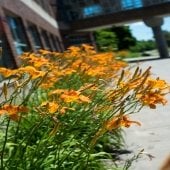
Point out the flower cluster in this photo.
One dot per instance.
(63, 104)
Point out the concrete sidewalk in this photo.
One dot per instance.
(154, 134)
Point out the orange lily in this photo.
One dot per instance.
(12, 111)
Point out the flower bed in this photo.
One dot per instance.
(66, 110)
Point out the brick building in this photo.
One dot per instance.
(27, 25)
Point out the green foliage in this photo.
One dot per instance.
(106, 40)
(115, 38)
(142, 46)
(65, 110)
(124, 37)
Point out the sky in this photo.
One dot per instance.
(142, 32)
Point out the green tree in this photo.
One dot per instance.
(143, 45)
(124, 37)
(105, 40)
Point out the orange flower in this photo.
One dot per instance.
(56, 54)
(35, 59)
(157, 84)
(7, 72)
(73, 51)
(76, 64)
(12, 111)
(151, 99)
(98, 71)
(49, 81)
(39, 62)
(84, 99)
(114, 123)
(44, 52)
(68, 71)
(119, 121)
(70, 96)
(88, 86)
(57, 91)
(89, 49)
(32, 71)
(52, 107)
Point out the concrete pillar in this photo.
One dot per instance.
(155, 23)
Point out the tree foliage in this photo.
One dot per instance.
(106, 40)
(124, 37)
(143, 45)
(115, 38)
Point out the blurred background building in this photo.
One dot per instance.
(28, 25)
(83, 16)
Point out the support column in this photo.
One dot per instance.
(155, 23)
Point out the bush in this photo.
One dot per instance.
(142, 46)
(66, 110)
(106, 40)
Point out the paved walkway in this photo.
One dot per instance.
(154, 134)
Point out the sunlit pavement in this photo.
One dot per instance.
(154, 134)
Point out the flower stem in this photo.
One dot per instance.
(4, 144)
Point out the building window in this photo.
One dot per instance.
(46, 40)
(55, 43)
(6, 59)
(18, 32)
(130, 4)
(35, 37)
(60, 48)
(92, 10)
(78, 39)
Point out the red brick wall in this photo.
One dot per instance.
(15, 7)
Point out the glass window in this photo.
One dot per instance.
(46, 40)
(59, 44)
(35, 37)
(55, 43)
(92, 10)
(78, 39)
(6, 59)
(129, 4)
(18, 32)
